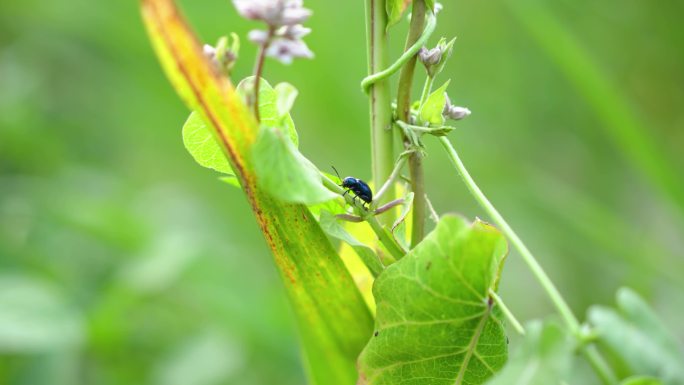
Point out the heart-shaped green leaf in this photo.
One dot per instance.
(200, 143)
(435, 320)
(284, 172)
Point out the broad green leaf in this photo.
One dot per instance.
(284, 172)
(434, 105)
(395, 9)
(333, 228)
(332, 318)
(635, 335)
(200, 143)
(435, 321)
(641, 380)
(269, 113)
(544, 358)
(286, 94)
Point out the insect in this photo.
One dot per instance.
(360, 188)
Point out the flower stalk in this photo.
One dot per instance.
(382, 135)
(416, 173)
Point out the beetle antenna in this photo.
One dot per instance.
(338, 174)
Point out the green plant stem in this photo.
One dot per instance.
(427, 88)
(383, 236)
(390, 181)
(405, 57)
(382, 135)
(259, 69)
(590, 353)
(386, 239)
(507, 312)
(403, 109)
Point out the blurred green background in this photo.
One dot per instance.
(123, 262)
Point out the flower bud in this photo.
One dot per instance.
(430, 57)
(434, 59)
(454, 112)
(223, 55)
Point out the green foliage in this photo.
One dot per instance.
(333, 228)
(544, 358)
(635, 335)
(274, 109)
(395, 9)
(434, 315)
(431, 111)
(201, 144)
(399, 225)
(334, 321)
(284, 172)
(274, 105)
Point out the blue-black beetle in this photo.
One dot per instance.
(357, 186)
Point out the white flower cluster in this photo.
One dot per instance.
(283, 38)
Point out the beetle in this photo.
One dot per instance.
(360, 188)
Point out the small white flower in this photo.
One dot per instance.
(285, 50)
(209, 51)
(258, 36)
(293, 32)
(275, 13)
(292, 16)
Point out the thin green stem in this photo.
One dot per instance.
(383, 235)
(605, 373)
(386, 239)
(562, 307)
(403, 59)
(419, 212)
(390, 181)
(259, 69)
(382, 135)
(427, 88)
(507, 312)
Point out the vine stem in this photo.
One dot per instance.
(427, 88)
(419, 211)
(382, 135)
(390, 180)
(590, 352)
(405, 57)
(507, 312)
(259, 69)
